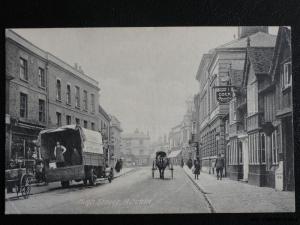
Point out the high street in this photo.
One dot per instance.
(135, 192)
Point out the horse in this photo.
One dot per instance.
(161, 163)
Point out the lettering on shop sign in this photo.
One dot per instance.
(224, 95)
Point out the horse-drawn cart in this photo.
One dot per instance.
(160, 163)
(20, 179)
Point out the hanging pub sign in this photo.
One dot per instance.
(224, 94)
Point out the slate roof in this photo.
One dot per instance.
(260, 58)
(259, 39)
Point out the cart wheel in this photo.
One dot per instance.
(65, 184)
(25, 186)
(93, 178)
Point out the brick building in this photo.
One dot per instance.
(42, 91)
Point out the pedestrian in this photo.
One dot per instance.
(219, 164)
(197, 168)
(59, 151)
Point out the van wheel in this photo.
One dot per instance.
(85, 181)
(92, 177)
(65, 184)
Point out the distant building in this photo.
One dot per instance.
(115, 137)
(136, 148)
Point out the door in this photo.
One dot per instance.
(245, 159)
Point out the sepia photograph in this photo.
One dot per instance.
(149, 120)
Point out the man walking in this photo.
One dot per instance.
(219, 164)
(197, 168)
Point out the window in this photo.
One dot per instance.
(274, 147)
(42, 80)
(77, 97)
(263, 148)
(240, 149)
(23, 69)
(68, 94)
(93, 102)
(58, 119)
(93, 126)
(287, 74)
(85, 124)
(23, 105)
(85, 100)
(68, 120)
(77, 121)
(41, 110)
(58, 90)
(252, 99)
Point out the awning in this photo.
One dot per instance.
(174, 154)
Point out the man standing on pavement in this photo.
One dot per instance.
(219, 164)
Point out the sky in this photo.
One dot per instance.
(145, 74)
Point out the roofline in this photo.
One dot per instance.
(12, 35)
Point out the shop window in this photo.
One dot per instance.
(23, 105)
(23, 69)
(42, 79)
(240, 149)
(41, 110)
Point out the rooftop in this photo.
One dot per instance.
(260, 58)
(259, 39)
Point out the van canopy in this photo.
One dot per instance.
(92, 140)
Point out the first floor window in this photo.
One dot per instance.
(58, 119)
(42, 80)
(287, 74)
(68, 94)
(41, 110)
(77, 97)
(23, 105)
(68, 120)
(58, 90)
(23, 69)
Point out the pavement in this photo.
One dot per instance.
(136, 192)
(229, 196)
(41, 188)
